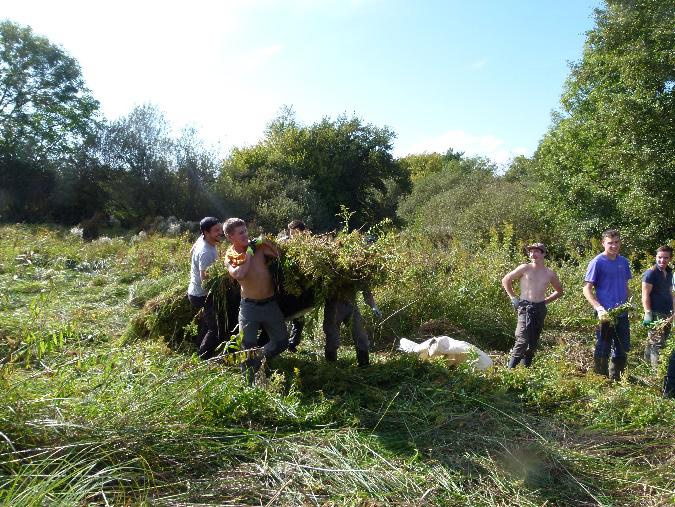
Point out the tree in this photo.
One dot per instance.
(310, 171)
(609, 158)
(45, 108)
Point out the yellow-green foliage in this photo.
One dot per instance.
(331, 265)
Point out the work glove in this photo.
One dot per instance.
(515, 301)
(648, 319)
(603, 316)
(377, 312)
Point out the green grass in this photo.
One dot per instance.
(89, 418)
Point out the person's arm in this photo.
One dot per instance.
(589, 294)
(507, 283)
(240, 272)
(646, 296)
(370, 301)
(269, 249)
(557, 289)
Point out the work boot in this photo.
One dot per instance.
(616, 367)
(362, 358)
(527, 360)
(601, 365)
(331, 355)
(513, 362)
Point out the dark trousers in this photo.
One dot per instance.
(208, 335)
(669, 381)
(337, 312)
(614, 338)
(531, 318)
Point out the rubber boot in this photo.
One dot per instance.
(616, 367)
(513, 362)
(601, 365)
(362, 358)
(331, 355)
(527, 360)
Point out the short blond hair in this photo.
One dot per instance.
(232, 223)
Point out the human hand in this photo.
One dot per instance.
(515, 301)
(603, 316)
(377, 312)
(648, 319)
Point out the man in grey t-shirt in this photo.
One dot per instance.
(203, 254)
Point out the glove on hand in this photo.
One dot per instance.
(648, 319)
(377, 313)
(515, 301)
(603, 316)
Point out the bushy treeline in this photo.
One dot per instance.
(607, 161)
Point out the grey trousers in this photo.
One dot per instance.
(267, 315)
(335, 313)
(528, 330)
(656, 341)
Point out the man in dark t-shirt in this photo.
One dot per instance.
(658, 302)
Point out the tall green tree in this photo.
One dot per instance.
(609, 158)
(45, 108)
(310, 171)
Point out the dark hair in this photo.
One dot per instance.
(232, 223)
(665, 248)
(296, 224)
(611, 233)
(207, 222)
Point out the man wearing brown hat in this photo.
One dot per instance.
(534, 279)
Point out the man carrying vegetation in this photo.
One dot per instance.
(658, 302)
(606, 288)
(203, 254)
(247, 263)
(534, 279)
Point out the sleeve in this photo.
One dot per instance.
(629, 275)
(592, 272)
(203, 261)
(647, 276)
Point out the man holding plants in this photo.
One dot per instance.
(247, 263)
(658, 302)
(535, 279)
(202, 255)
(606, 288)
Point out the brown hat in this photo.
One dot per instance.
(539, 246)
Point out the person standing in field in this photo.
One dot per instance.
(669, 381)
(535, 279)
(247, 263)
(658, 302)
(606, 287)
(203, 255)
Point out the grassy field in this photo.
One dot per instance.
(89, 418)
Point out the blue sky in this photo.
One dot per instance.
(481, 77)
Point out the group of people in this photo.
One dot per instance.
(261, 321)
(606, 290)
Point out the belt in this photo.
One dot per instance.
(259, 301)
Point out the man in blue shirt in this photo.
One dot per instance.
(658, 302)
(606, 287)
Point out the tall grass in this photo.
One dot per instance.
(97, 420)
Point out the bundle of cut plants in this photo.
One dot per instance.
(171, 316)
(330, 265)
(310, 269)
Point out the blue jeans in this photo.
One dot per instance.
(614, 338)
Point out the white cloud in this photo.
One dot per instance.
(488, 146)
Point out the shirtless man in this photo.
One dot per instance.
(247, 263)
(534, 278)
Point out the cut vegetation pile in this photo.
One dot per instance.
(321, 265)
